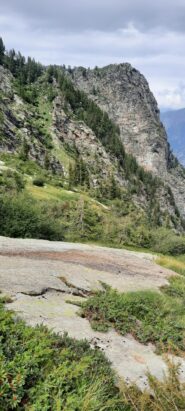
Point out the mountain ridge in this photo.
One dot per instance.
(56, 135)
(124, 94)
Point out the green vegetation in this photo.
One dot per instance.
(40, 371)
(38, 181)
(2, 50)
(26, 71)
(33, 204)
(79, 174)
(43, 371)
(167, 242)
(21, 216)
(14, 162)
(11, 181)
(148, 315)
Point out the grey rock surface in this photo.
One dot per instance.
(42, 277)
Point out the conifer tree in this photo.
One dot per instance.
(71, 178)
(2, 51)
(24, 151)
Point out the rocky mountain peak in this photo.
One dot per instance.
(124, 94)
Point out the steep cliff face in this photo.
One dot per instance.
(124, 94)
(77, 136)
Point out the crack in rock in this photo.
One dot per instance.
(73, 291)
(72, 286)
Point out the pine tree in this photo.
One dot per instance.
(71, 178)
(46, 161)
(24, 151)
(2, 51)
(114, 188)
(80, 216)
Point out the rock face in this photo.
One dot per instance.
(124, 94)
(75, 134)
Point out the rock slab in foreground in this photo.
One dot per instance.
(43, 276)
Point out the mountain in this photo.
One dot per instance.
(124, 94)
(174, 122)
(84, 154)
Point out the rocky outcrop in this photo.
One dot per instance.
(124, 94)
(75, 135)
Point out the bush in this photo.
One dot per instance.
(38, 181)
(11, 181)
(167, 242)
(43, 371)
(149, 316)
(21, 216)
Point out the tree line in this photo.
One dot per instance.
(25, 70)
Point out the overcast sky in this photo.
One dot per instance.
(98, 32)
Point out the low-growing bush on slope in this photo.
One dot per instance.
(149, 316)
(43, 371)
(40, 371)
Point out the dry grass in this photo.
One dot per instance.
(176, 264)
(166, 395)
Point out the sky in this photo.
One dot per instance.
(148, 34)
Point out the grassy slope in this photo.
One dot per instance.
(115, 223)
(49, 192)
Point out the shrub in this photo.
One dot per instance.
(44, 371)
(21, 216)
(38, 181)
(167, 242)
(149, 316)
(11, 181)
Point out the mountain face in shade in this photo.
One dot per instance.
(174, 122)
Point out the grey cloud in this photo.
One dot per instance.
(108, 15)
(99, 32)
